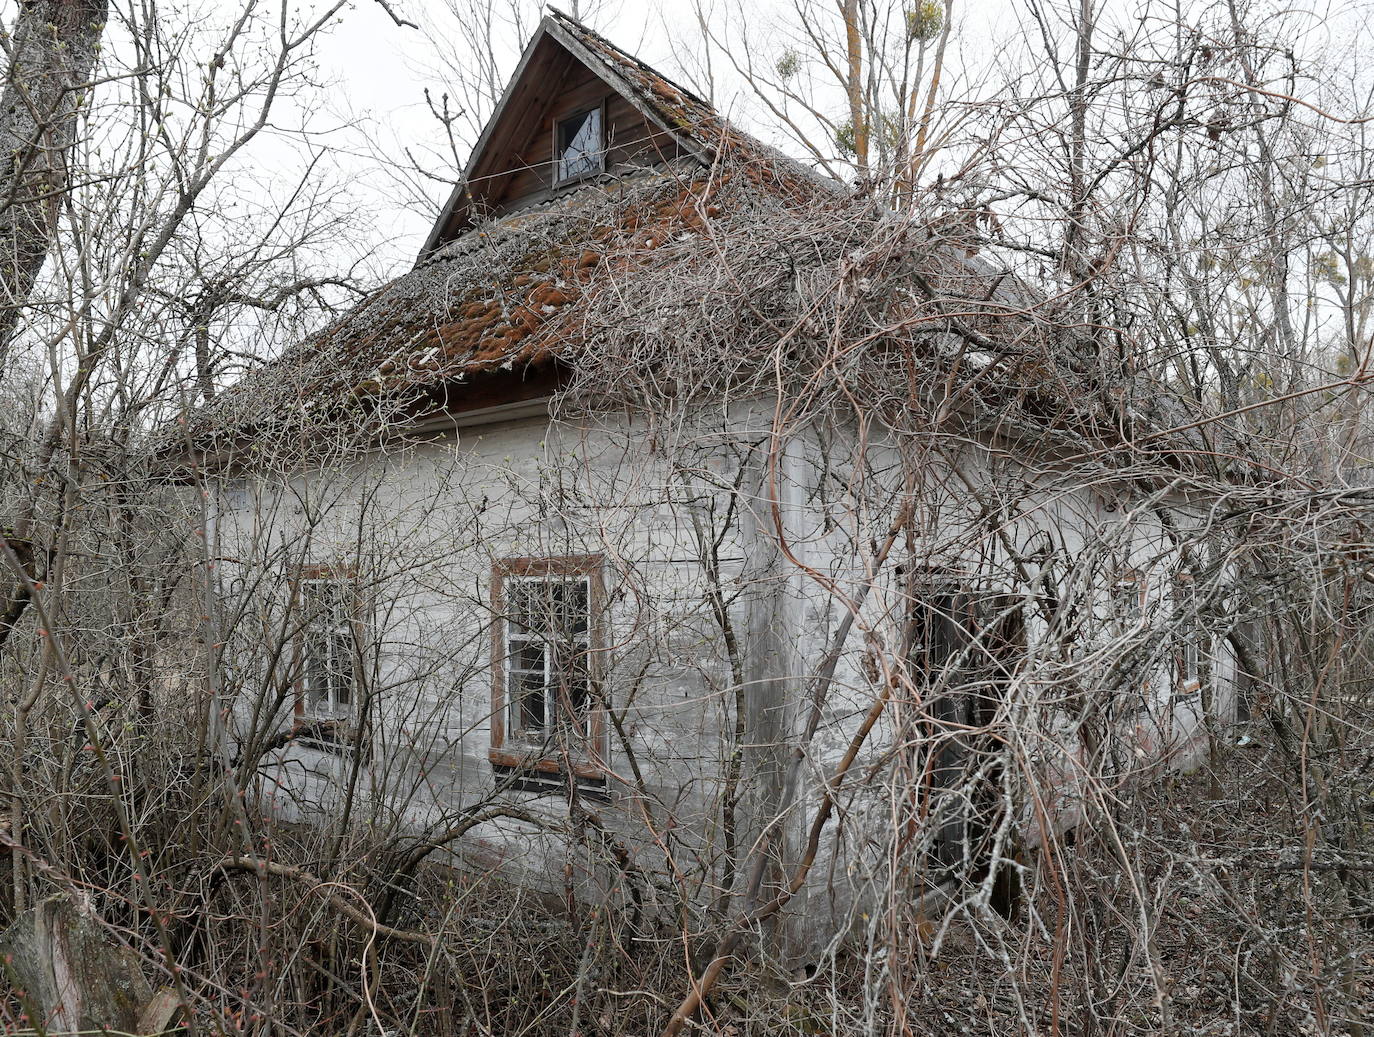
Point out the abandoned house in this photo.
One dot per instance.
(682, 496)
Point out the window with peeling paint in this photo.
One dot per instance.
(548, 715)
(1192, 644)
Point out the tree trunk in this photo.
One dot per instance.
(51, 54)
(72, 977)
(854, 85)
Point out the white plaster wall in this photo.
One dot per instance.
(422, 528)
(423, 525)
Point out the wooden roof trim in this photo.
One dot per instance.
(549, 28)
(620, 84)
(479, 150)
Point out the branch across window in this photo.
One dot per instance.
(328, 648)
(1128, 602)
(544, 649)
(979, 631)
(1192, 648)
(548, 624)
(964, 645)
(936, 635)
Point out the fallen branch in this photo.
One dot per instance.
(305, 878)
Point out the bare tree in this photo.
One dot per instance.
(925, 639)
(124, 159)
(857, 84)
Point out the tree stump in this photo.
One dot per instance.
(73, 978)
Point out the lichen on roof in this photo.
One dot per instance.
(510, 294)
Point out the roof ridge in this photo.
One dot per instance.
(580, 26)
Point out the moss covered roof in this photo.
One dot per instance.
(509, 295)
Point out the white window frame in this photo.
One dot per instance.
(516, 634)
(337, 633)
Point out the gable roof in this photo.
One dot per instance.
(690, 122)
(510, 294)
(557, 285)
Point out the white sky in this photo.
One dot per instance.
(382, 71)
(379, 71)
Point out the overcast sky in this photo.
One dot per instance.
(381, 71)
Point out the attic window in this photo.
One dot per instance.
(578, 148)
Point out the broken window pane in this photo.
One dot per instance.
(579, 145)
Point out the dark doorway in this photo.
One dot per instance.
(962, 651)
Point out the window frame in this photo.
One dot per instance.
(925, 590)
(509, 749)
(558, 179)
(1192, 647)
(306, 712)
(1128, 596)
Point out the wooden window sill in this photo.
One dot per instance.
(531, 761)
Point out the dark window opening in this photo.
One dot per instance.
(578, 147)
(936, 634)
(517, 778)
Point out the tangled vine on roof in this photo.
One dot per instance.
(685, 282)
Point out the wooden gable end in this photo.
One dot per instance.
(514, 163)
